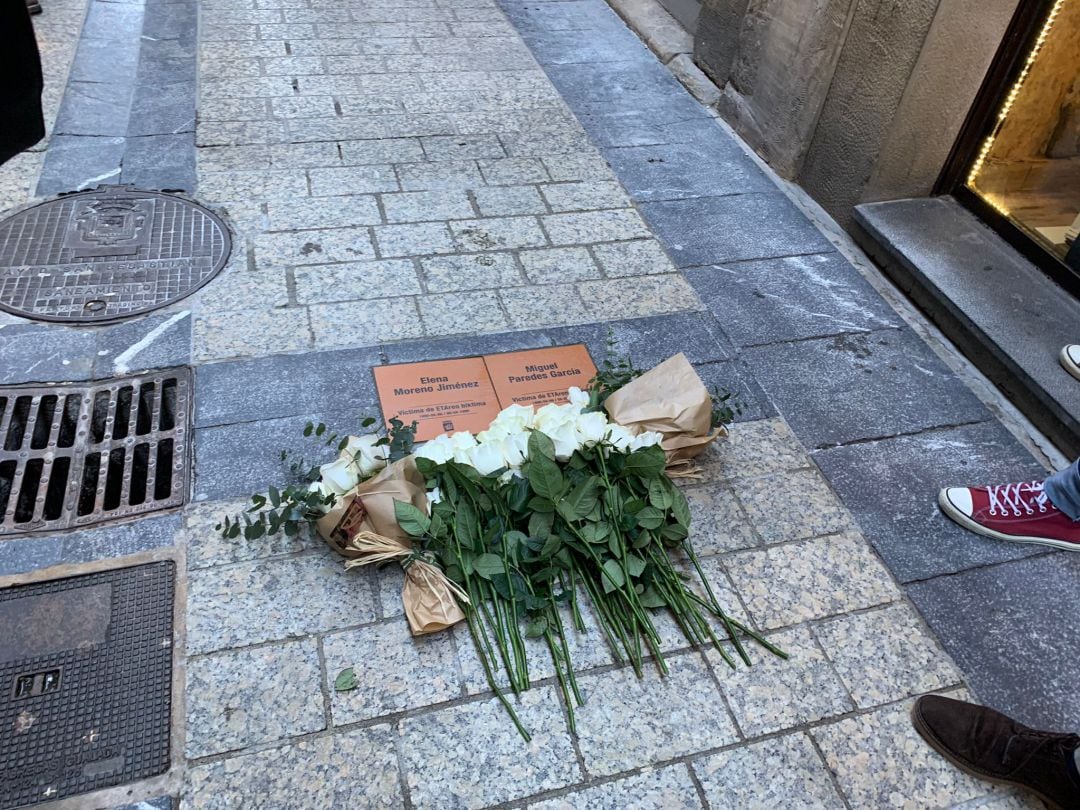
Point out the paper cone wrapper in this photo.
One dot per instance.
(369, 507)
(671, 400)
(363, 527)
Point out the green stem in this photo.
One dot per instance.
(494, 687)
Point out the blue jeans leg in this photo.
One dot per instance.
(1063, 489)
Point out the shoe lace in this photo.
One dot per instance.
(1026, 496)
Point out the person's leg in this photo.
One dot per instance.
(1063, 489)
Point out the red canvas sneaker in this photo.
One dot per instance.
(1019, 512)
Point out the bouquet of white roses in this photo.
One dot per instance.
(543, 508)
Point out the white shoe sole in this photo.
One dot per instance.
(1068, 364)
(959, 517)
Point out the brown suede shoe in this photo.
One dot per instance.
(987, 744)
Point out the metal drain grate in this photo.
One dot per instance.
(85, 682)
(74, 455)
(105, 254)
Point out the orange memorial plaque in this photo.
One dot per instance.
(539, 376)
(442, 396)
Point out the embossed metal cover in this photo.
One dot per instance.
(85, 682)
(97, 256)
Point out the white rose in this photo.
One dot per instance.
(438, 450)
(339, 476)
(578, 398)
(486, 458)
(620, 437)
(510, 475)
(462, 443)
(516, 448)
(363, 452)
(646, 439)
(510, 451)
(565, 439)
(515, 418)
(591, 428)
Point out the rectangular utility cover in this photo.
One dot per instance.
(85, 682)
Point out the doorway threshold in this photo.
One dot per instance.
(1009, 318)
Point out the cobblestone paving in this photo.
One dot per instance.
(404, 169)
(401, 170)
(828, 726)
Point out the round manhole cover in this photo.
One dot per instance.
(105, 254)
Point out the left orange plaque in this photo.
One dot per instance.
(442, 396)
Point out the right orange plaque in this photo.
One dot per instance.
(539, 376)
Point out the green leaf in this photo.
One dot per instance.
(467, 526)
(541, 446)
(438, 525)
(680, 508)
(650, 518)
(674, 533)
(346, 680)
(367, 422)
(308, 428)
(535, 628)
(411, 520)
(541, 505)
(489, 565)
(502, 586)
(551, 546)
(634, 565)
(613, 576)
(648, 462)
(518, 493)
(275, 497)
(614, 545)
(540, 523)
(659, 494)
(595, 532)
(651, 599)
(545, 477)
(581, 500)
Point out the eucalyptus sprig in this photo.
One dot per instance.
(298, 504)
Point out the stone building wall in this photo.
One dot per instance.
(855, 100)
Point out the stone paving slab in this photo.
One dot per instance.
(306, 775)
(1014, 653)
(229, 707)
(681, 171)
(879, 761)
(285, 598)
(862, 386)
(791, 298)
(669, 788)
(755, 226)
(470, 756)
(781, 772)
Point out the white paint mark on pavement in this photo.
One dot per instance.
(120, 363)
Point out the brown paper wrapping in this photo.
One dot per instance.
(671, 400)
(363, 527)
